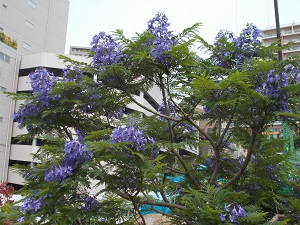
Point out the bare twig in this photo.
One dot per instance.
(276, 217)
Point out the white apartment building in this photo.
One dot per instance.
(289, 33)
(77, 50)
(37, 25)
(9, 69)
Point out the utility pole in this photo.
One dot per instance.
(278, 30)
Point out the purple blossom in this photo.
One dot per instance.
(107, 51)
(272, 87)
(234, 211)
(58, 173)
(240, 160)
(294, 72)
(92, 101)
(79, 136)
(158, 26)
(230, 51)
(42, 82)
(162, 110)
(29, 175)
(75, 154)
(25, 112)
(70, 76)
(31, 205)
(129, 184)
(116, 113)
(21, 219)
(131, 134)
(90, 204)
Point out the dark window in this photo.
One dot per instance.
(150, 100)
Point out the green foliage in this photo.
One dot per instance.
(173, 163)
(7, 40)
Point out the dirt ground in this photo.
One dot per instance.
(157, 219)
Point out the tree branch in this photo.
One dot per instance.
(186, 169)
(152, 111)
(245, 163)
(147, 201)
(210, 140)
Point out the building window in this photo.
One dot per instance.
(210, 130)
(29, 25)
(1, 119)
(26, 46)
(297, 31)
(2, 89)
(32, 4)
(4, 57)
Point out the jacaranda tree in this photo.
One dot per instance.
(143, 163)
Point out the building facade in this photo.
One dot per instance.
(289, 33)
(9, 68)
(80, 51)
(38, 26)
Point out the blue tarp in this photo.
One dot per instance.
(147, 209)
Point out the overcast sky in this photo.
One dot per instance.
(89, 17)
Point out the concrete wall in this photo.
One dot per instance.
(37, 25)
(8, 77)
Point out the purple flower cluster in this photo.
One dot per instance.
(90, 204)
(133, 135)
(107, 51)
(128, 184)
(230, 51)
(158, 26)
(24, 113)
(295, 73)
(70, 76)
(117, 113)
(162, 109)
(75, 154)
(240, 160)
(31, 205)
(92, 101)
(233, 211)
(57, 173)
(248, 35)
(42, 82)
(29, 175)
(274, 83)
